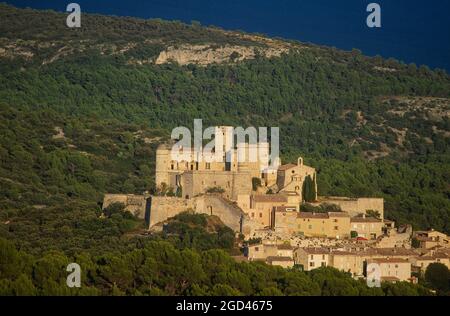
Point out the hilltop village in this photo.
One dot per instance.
(281, 216)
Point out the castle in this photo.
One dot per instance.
(262, 202)
(246, 194)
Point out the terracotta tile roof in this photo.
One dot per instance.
(285, 209)
(265, 198)
(360, 219)
(434, 256)
(285, 247)
(338, 214)
(286, 167)
(344, 253)
(425, 258)
(312, 215)
(322, 215)
(390, 252)
(275, 259)
(388, 260)
(316, 251)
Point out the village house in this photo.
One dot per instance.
(330, 225)
(281, 261)
(432, 238)
(347, 261)
(262, 206)
(262, 251)
(394, 263)
(393, 269)
(434, 255)
(367, 227)
(285, 250)
(312, 258)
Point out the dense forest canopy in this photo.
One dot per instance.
(81, 114)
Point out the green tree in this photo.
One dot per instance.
(438, 276)
(309, 189)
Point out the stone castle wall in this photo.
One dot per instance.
(135, 204)
(198, 182)
(355, 206)
(163, 208)
(157, 209)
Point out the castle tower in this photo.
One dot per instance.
(162, 164)
(224, 142)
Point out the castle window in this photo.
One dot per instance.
(256, 248)
(253, 214)
(336, 227)
(208, 166)
(171, 166)
(260, 215)
(192, 167)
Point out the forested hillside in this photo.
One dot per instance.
(82, 111)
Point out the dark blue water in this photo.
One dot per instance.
(412, 30)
